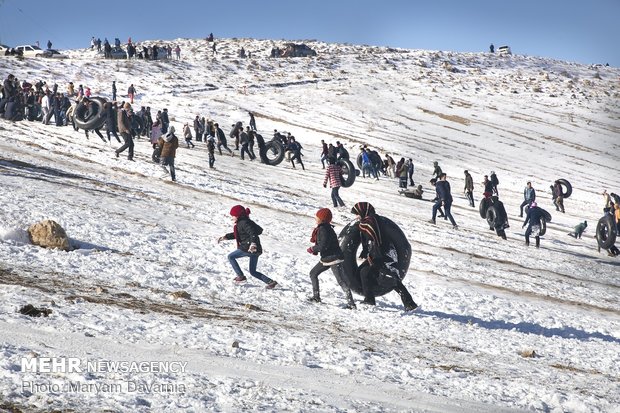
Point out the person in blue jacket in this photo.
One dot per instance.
(444, 198)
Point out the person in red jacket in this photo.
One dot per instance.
(333, 175)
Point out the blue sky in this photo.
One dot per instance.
(573, 30)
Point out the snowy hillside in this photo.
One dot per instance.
(500, 327)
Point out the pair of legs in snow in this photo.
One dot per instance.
(238, 253)
(368, 276)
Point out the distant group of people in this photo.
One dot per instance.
(147, 52)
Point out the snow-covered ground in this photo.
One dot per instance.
(500, 327)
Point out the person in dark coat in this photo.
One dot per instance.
(410, 171)
(110, 121)
(529, 196)
(341, 151)
(221, 140)
(252, 122)
(131, 93)
(295, 148)
(326, 245)
(469, 188)
(211, 151)
(332, 151)
(333, 175)
(433, 182)
(532, 220)
(437, 170)
(375, 256)
(164, 120)
(444, 199)
(124, 127)
(169, 143)
(501, 218)
(235, 134)
(558, 199)
(113, 90)
(251, 141)
(262, 148)
(494, 182)
(488, 187)
(246, 232)
(244, 140)
(324, 152)
(198, 128)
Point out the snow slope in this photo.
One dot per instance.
(500, 327)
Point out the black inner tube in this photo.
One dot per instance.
(395, 246)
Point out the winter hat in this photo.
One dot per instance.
(325, 215)
(533, 204)
(171, 129)
(239, 211)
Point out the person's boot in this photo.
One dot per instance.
(316, 297)
(369, 301)
(350, 302)
(406, 298)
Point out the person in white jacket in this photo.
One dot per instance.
(46, 108)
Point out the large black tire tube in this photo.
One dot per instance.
(566, 185)
(395, 242)
(543, 226)
(359, 161)
(491, 216)
(606, 232)
(348, 172)
(274, 152)
(96, 121)
(485, 203)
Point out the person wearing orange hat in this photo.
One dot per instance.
(246, 232)
(326, 244)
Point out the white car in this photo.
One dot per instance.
(31, 50)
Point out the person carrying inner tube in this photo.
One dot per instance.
(326, 244)
(375, 256)
(534, 214)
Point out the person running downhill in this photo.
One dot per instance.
(246, 232)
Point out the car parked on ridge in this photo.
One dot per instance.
(31, 50)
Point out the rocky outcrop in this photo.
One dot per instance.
(49, 234)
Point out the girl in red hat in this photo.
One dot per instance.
(326, 244)
(246, 232)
